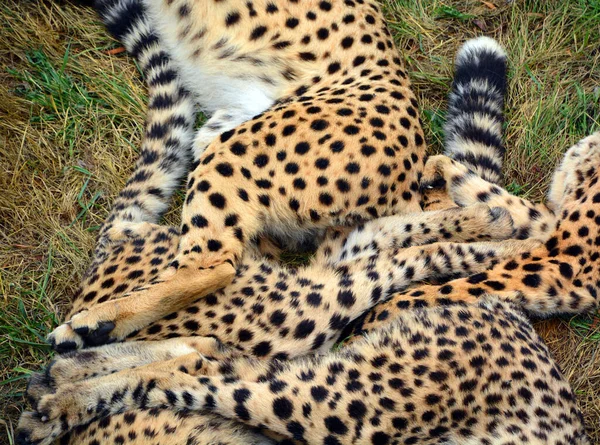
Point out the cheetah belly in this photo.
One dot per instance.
(216, 82)
(220, 92)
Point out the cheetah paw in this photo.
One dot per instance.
(85, 329)
(58, 413)
(41, 427)
(439, 171)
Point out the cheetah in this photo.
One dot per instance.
(312, 124)
(461, 374)
(469, 369)
(559, 277)
(208, 356)
(264, 298)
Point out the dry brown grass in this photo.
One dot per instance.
(71, 115)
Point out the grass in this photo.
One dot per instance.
(71, 115)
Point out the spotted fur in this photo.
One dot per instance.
(559, 277)
(344, 256)
(475, 374)
(435, 356)
(313, 124)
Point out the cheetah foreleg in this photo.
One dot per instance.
(466, 188)
(105, 360)
(115, 319)
(478, 222)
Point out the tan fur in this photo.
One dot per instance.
(337, 140)
(560, 276)
(426, 378)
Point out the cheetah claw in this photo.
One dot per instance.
(71, 336)
(98, 336)
(35, 429)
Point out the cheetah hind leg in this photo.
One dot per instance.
(128, 390)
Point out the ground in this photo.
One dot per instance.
(71, 114)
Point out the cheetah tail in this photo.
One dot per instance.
(166, 145)
(474, 121)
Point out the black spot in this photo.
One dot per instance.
(243, 195)
(262, 349)
(203, 186)
(217, 200)
(270, 140)
(532, 280)
(573, 250)
(261, 160)
(342, 185)
(385, 170)
(264, 200)
(319, 125)
(337, 146)
(231, 220)
(307, 56)
(199, 221)
(325, 6)
(245, 335)
(294, 204)
(322, 163)
(347, 42)
(302, 148)
(304, 329)
(367, 150)
(232, 18)
(283, 408)
(227, 135)
(314, 299)
(277, 318)
(326, 199)
(351, 129)
(566, 270)
(359, 60)
(353, 168)
(291, 22)
(381, 438)
(346, 298)
(299, 184)
(333, 67)
(225, 169)
(335, 425)
(322, 33)
(319, 393)
(258, 32)
(214, 245)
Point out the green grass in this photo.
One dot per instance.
(71, 117)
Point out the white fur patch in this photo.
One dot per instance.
(213, 88)
(475, 46)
